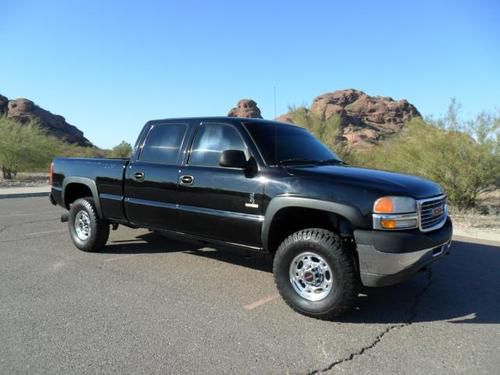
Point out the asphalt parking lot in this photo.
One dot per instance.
(153, 305)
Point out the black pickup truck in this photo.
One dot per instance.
(266, 186)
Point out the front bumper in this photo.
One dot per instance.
(387, 258)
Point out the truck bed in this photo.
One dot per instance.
(103, 176)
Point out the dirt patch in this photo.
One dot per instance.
(26, 180)
(482, 221)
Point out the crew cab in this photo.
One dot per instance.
(265, 186)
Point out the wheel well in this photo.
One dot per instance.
(292, 219)
(75, 191)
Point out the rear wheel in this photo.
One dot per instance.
(315, 273)
(88, 232)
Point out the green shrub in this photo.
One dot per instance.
(24, 148)
(328, 131)
(27, 148)
(461, 157)
(123, 150)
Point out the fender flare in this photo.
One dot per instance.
(88, 183)
(277, 204)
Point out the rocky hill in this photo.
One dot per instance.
(246, 108)
(24, 110)
(365, 120)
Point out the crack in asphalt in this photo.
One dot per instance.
(409, 321)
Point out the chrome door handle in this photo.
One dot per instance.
(139, 176)
(187, 180)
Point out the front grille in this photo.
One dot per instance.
(433, 213)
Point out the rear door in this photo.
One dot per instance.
(151, 179)
(217, 202)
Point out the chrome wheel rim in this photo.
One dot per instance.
(311, 276)
(82, 225)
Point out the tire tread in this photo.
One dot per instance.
(328, 240)
(102, 226)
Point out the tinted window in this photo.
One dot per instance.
(163, 143)
(211, 140)
(278, 142)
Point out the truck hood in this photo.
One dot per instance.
(386, 183)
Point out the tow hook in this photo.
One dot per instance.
(114, 226)
(64, 217)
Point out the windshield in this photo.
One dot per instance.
(286, 144)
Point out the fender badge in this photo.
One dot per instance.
(252, 203)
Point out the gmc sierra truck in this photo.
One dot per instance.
(265, 186)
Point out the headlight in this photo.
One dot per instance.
(395, 213)
(394, 205)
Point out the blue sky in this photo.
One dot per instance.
(108, 67)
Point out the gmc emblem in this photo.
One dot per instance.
(437, 211)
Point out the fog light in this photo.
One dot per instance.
(395, 222)
(388, 224)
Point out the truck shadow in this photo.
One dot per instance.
(462, 288)
(155, 243)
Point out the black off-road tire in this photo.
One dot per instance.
(339, 258)
(98, 228)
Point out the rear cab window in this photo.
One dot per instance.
(163, 143)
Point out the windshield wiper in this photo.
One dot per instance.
(298, 161)
(331, 161)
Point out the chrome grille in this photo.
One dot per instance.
(432, 213)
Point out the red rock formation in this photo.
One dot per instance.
(246, 108)
(364, 119)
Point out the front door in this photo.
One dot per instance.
(216, 202)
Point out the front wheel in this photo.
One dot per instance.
(88, 232)
(315, 273)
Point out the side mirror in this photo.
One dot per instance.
(233, 159)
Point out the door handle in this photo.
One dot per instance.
(186, 180)
(139, 176)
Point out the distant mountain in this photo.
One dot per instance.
(24, 110)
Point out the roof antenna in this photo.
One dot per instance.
(274, 87)
(275, 136)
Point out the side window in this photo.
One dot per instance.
(163, 143)
(211, 140)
